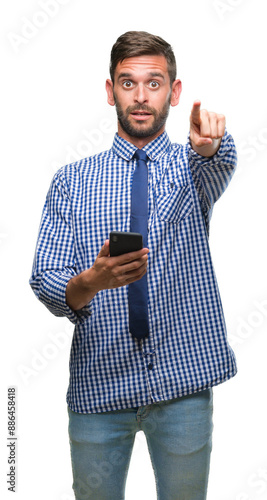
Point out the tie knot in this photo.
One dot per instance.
(140, 154)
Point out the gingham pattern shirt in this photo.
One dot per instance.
(187, 349)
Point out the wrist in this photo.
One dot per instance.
(207, 150)
(89, 282)
(81, 290)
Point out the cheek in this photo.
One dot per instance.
(121, 100)
(160, 99)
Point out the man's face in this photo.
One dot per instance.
(142, 95)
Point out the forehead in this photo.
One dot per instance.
(143, 65)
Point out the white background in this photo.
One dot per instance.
(53, 106)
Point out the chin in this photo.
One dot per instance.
(144, 131)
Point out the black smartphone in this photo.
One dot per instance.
(123, 242)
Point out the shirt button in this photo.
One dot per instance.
(150, 366)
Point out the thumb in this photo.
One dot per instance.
(104, 252)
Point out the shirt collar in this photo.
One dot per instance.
(153, 149)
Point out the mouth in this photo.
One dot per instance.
(140, 115)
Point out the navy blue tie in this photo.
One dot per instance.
(137, 292)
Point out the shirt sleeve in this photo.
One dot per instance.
(212, 175)
(54, 260)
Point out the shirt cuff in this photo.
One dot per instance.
(225, 147)
(53, 295)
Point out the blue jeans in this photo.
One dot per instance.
(178, 434)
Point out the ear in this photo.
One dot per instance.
(109, 89)
(176, 92)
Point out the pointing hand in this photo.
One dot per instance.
(206, 130)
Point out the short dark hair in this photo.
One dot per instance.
(141, 43)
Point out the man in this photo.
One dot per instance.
(160, 377)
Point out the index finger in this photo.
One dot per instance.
(131, 256)
(195, 112)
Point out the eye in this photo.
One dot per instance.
(153, 84)
(127, 84)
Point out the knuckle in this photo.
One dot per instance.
(204, 113)
(212, 115)
(110, 270)
(119, 280)
(113, 271)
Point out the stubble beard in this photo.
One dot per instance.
(141, 130)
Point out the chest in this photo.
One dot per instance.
(101, 198)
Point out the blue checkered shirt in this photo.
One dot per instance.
(187, 348)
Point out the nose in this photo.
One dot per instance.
(141, 95)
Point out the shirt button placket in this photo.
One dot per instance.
(149, 358)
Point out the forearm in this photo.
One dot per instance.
(81, 289)
(212, 175)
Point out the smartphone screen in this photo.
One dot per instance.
(124, 242)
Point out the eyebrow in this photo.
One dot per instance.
(155, 74)
(152, 74)
(124, 75)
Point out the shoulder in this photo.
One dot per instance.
(81, 168)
